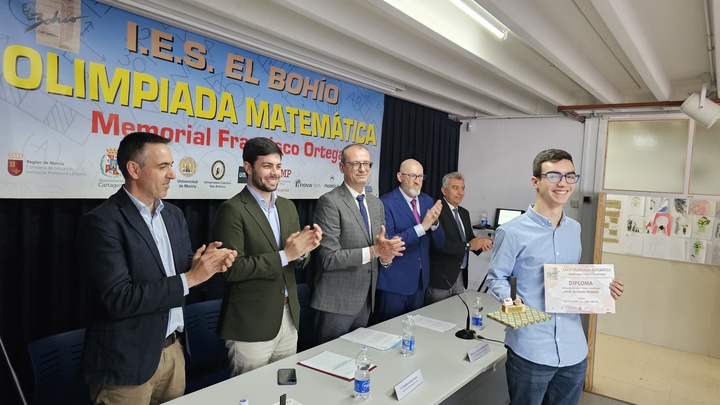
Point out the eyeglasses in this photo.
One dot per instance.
(412, 176)
(555, 177)
(355, 165)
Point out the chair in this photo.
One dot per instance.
(55, 361)
(207, 363)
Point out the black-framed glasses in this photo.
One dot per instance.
(412, 176)
(355, 165)
(555, 177)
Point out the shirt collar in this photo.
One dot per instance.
(261, 201)
(159, 205)
(542, 220)
(452, 207)
(407, 197)
(353, 192)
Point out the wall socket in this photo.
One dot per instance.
(575, 203)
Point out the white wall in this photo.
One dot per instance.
(496, 159)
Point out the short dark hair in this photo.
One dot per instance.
(132, 148)
(549, 155)
(259, 146)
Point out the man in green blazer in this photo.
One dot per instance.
(260, 310)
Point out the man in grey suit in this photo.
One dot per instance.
(350, 256)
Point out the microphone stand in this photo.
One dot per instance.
(467, 333)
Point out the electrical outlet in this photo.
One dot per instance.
(575, 203)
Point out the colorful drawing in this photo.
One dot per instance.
(662, 222)
(702, 207)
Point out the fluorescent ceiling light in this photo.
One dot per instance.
(475, 11)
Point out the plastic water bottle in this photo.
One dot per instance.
(483, 218)
(361, 387)
(408, 337)
(476, 322)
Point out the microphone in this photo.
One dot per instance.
(467, 333)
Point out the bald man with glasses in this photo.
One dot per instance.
(413, 216)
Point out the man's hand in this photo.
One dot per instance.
(302, 242)
(208, 261)
(617, 288)
(479, 243)
(432, 215)
(386, 249)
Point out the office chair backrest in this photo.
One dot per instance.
(207, 362)
(55, 361)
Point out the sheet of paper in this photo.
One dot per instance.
(579, 288)
(333, 364)
(372, 338)
(433, 324)
(409, 384)
(290, 401)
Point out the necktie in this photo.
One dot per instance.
(413, 202)
(363, 213)
(462, 235)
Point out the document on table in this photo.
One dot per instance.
(579, 288)
(372, 338)
(433, 324)
(333, 364)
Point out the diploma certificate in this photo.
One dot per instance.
(579, 288)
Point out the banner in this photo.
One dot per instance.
(78, 76)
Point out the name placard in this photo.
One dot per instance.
(407, 385)
(478, 351)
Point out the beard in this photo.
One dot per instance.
(412, 192)
(259, 184)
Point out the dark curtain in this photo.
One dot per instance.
(413, 131)
(41, 293)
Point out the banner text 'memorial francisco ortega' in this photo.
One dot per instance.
(102, 72)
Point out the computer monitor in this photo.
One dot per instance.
(504, 215)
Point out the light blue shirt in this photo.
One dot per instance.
(159, 233)
(522, 247)
(271, 215)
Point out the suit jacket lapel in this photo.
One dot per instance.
(136, 220)
(449, 215)
(352, 204)
(404, 206)
(286, 219)
(253, 208)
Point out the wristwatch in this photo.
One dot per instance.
(467, 246)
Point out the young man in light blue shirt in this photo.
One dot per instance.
(546, 362)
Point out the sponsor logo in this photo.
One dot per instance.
(187, 166)
(300, 184)
(109, 164)
(15, 163)
(218, 169)
(242, 176)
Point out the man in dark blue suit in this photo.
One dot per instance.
(413, 216)
(135, 250)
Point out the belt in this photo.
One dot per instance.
(171, 339)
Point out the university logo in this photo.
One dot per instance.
(109, 164)
(15, 163)
(187, 166)
(242, 176)
(218, 169)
